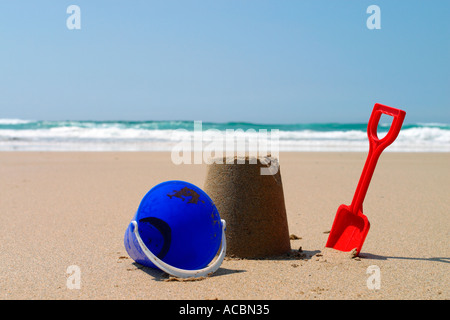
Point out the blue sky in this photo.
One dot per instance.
(267, 61)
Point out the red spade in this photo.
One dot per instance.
(350, 226)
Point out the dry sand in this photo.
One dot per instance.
(71, 209)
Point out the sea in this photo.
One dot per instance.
(41, 135)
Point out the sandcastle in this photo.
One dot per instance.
(251, 203)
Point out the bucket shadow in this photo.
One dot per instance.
(159, 275)
(371, 256)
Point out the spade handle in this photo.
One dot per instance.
(376, 147)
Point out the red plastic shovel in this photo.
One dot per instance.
(350, 226)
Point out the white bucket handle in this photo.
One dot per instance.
(182, 273)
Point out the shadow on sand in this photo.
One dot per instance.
(160, 275)
(369, 256)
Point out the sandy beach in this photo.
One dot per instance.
(63, 209)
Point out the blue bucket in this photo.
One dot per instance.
(177, 229)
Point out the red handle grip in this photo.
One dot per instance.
(394, 130)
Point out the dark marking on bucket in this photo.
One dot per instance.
(184, 193)
(165, 231)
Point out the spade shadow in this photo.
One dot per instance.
(371, 256)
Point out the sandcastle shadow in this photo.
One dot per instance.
(370, 256)
(290, 255)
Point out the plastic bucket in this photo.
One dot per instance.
(177, 229)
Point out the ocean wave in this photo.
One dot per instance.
(14, 121)
(17, 134)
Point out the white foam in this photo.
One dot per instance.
(116, 137)
(14, 121)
